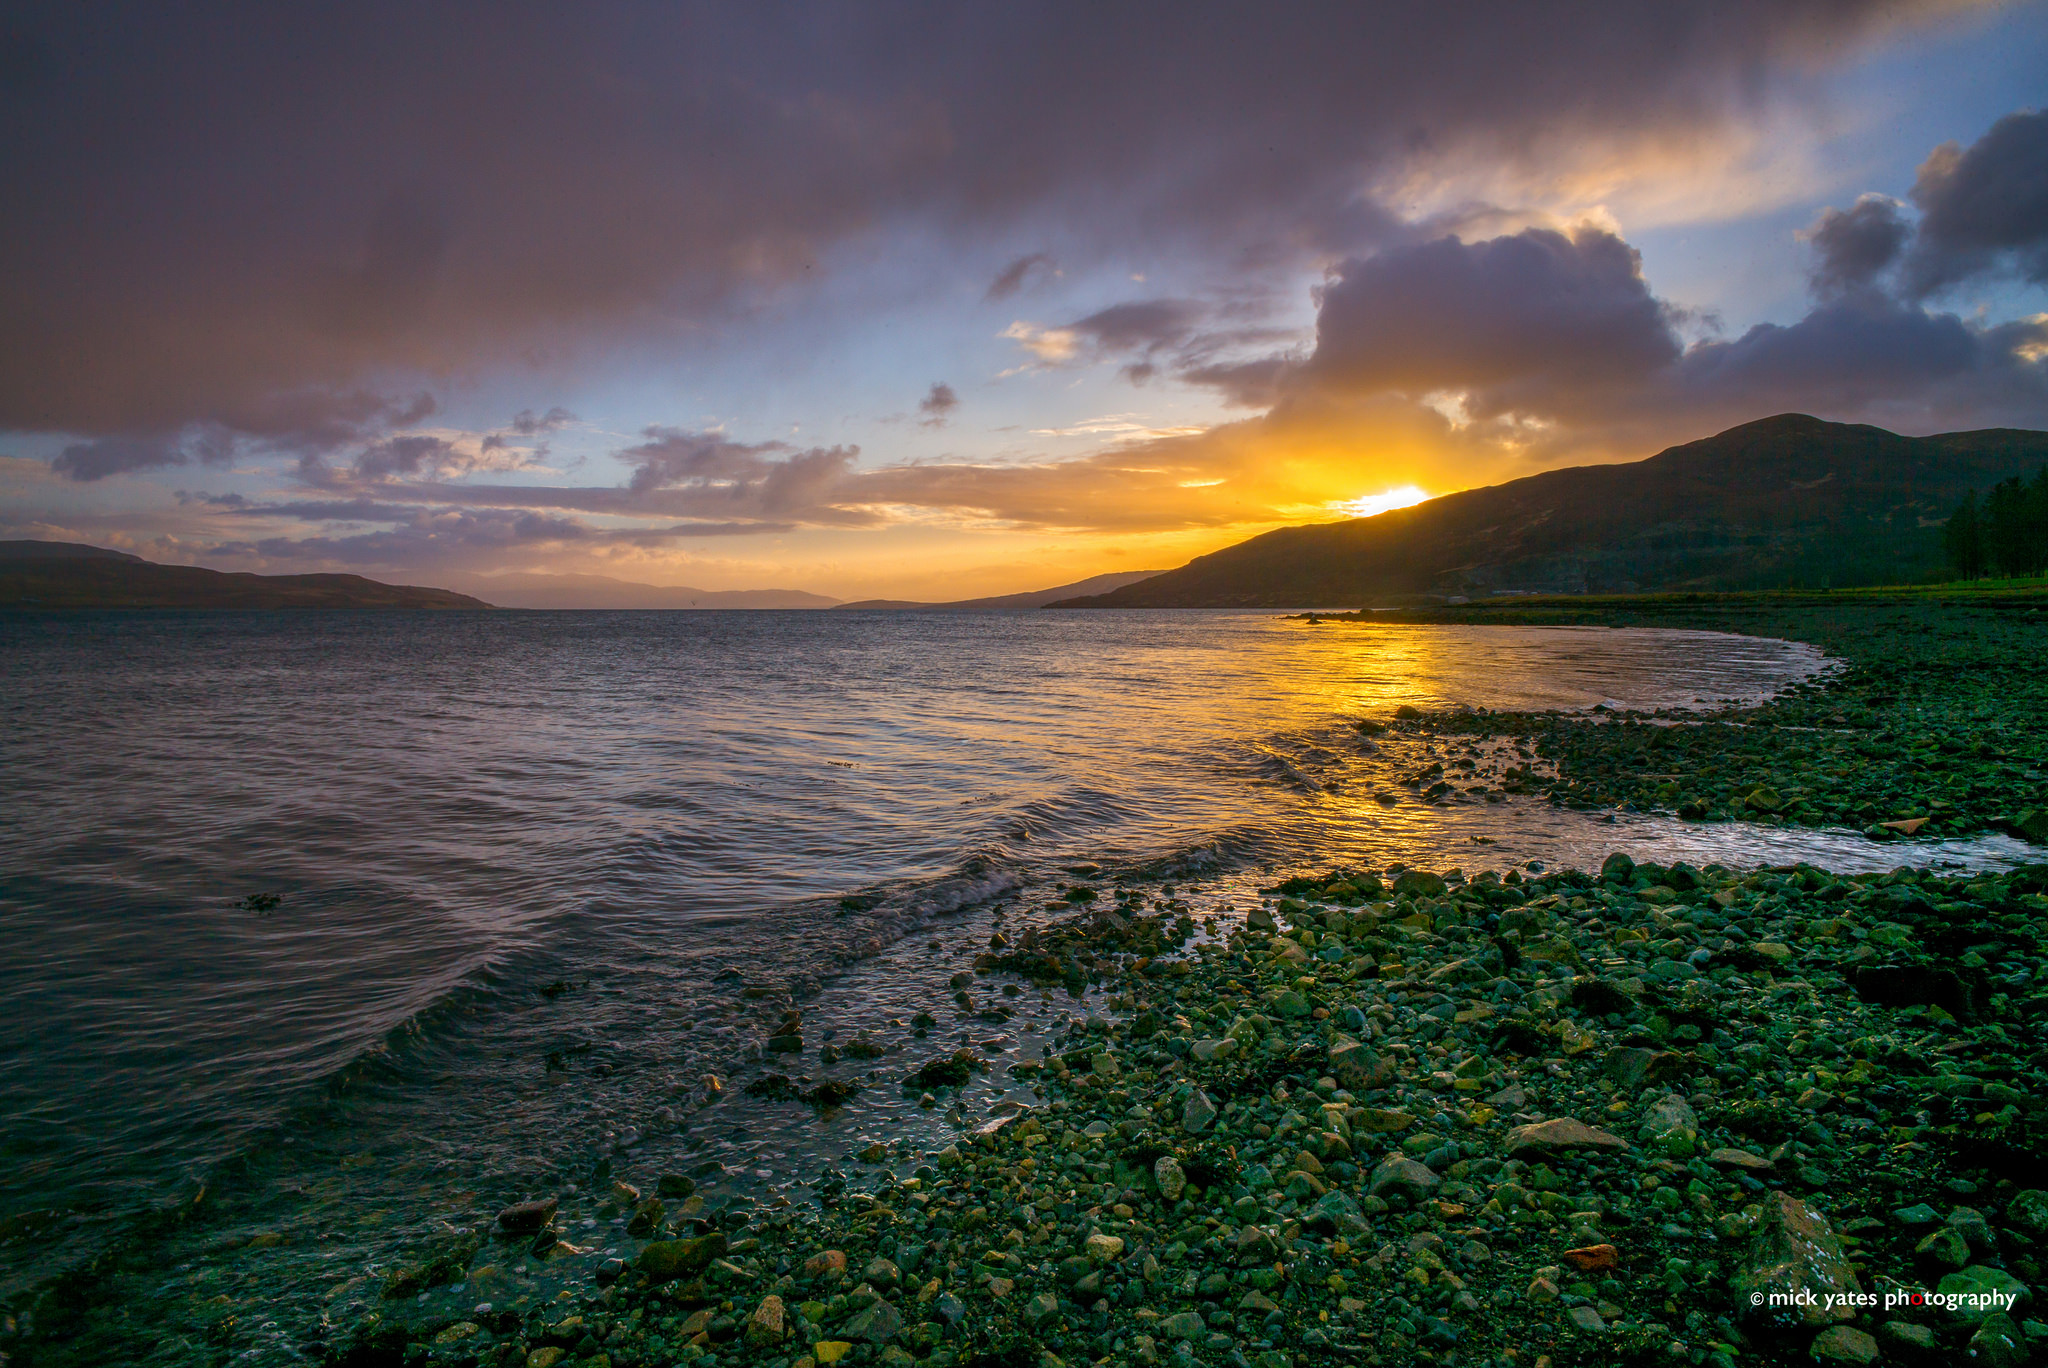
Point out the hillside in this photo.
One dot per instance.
(1003, 603)
(1785, 502)
(603, 591)
(67, 575)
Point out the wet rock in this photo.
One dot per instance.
(1844, 1344)
(1796, 1261)
(1593, 1258)
(647, 1218)
(1740, 1160)
(1981, 1290)
(526, 1218)
(1355, 1066)
(825, 1263)
(1401, 1176)
(1184, 1325)
(1166, 1172)
(878, 1324)
(766, 1326)
(1998, 1344)
(669, 1260)
(1562, 1133)
(1335, 1211)
(1586, 1320)
(1197, 1113)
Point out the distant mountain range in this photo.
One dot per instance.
(1785, 502)
(1037, 598)
(602, 591)
(36, 574)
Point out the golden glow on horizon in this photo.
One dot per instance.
(1402, 496)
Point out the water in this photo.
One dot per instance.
(529, 866)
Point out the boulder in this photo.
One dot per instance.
(1562, 1133)
(1794, 1263)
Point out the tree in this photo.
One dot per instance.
(1963, 539)
(2005, 526)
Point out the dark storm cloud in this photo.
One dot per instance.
(1853, 246)
(211, 206)
(1984, 208)
(1537, 308)
(401, 456)
(529, 424)
(937, 405)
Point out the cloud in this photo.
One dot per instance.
(210, 209)
(1853, 246)
(937, 406)
(1013, 277)
(1985, 208)
(527, 424)
(1539, 311)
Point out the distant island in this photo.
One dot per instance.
(38, 574)
(1000, 603)
(524, 590)
(1784, 502)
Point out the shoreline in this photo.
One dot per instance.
(626, 1317)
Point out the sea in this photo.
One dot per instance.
(359, 914)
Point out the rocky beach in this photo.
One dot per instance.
(1639, 1113)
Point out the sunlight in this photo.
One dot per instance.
(1402, 496)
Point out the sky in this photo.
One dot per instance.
(932, 301)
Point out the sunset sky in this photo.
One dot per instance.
(928, 301)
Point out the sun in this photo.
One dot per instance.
(1402, 496)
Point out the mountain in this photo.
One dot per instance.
(1784, 502)
(1002, 603)
(67, 575)
(602, 591)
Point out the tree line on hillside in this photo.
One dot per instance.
(2007, 532)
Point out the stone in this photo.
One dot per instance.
(1905, 1339)
(1166, 1172)
(831, 1351)
(1355, 1066)
(1419, 883)
(1041, 1311)
(878, 1324)
(1585, 1320)
(667, 1260)
(1740, 1159)
(1102, 1249)
(881, 1273)
(1593, 1258)
(1184, 1325)
(1332, 1212)
(1542, 1290)
(1403, 1176)
(1379, 1121)
(527, 1218)
(1795, 1259)
(1944, 1247)
(2029, 1211)
(1197, 1113)
(1560, 1134)
(1843, 1344)
(1983, 1290)
(1971, 1225)
(545, 1357)
(675, 1187)
(1260, 919)
(1629, 1066)
(825, 1262)
(647, 1218)
(766, 1326)
(1997, 1343)
(1670, 1114)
